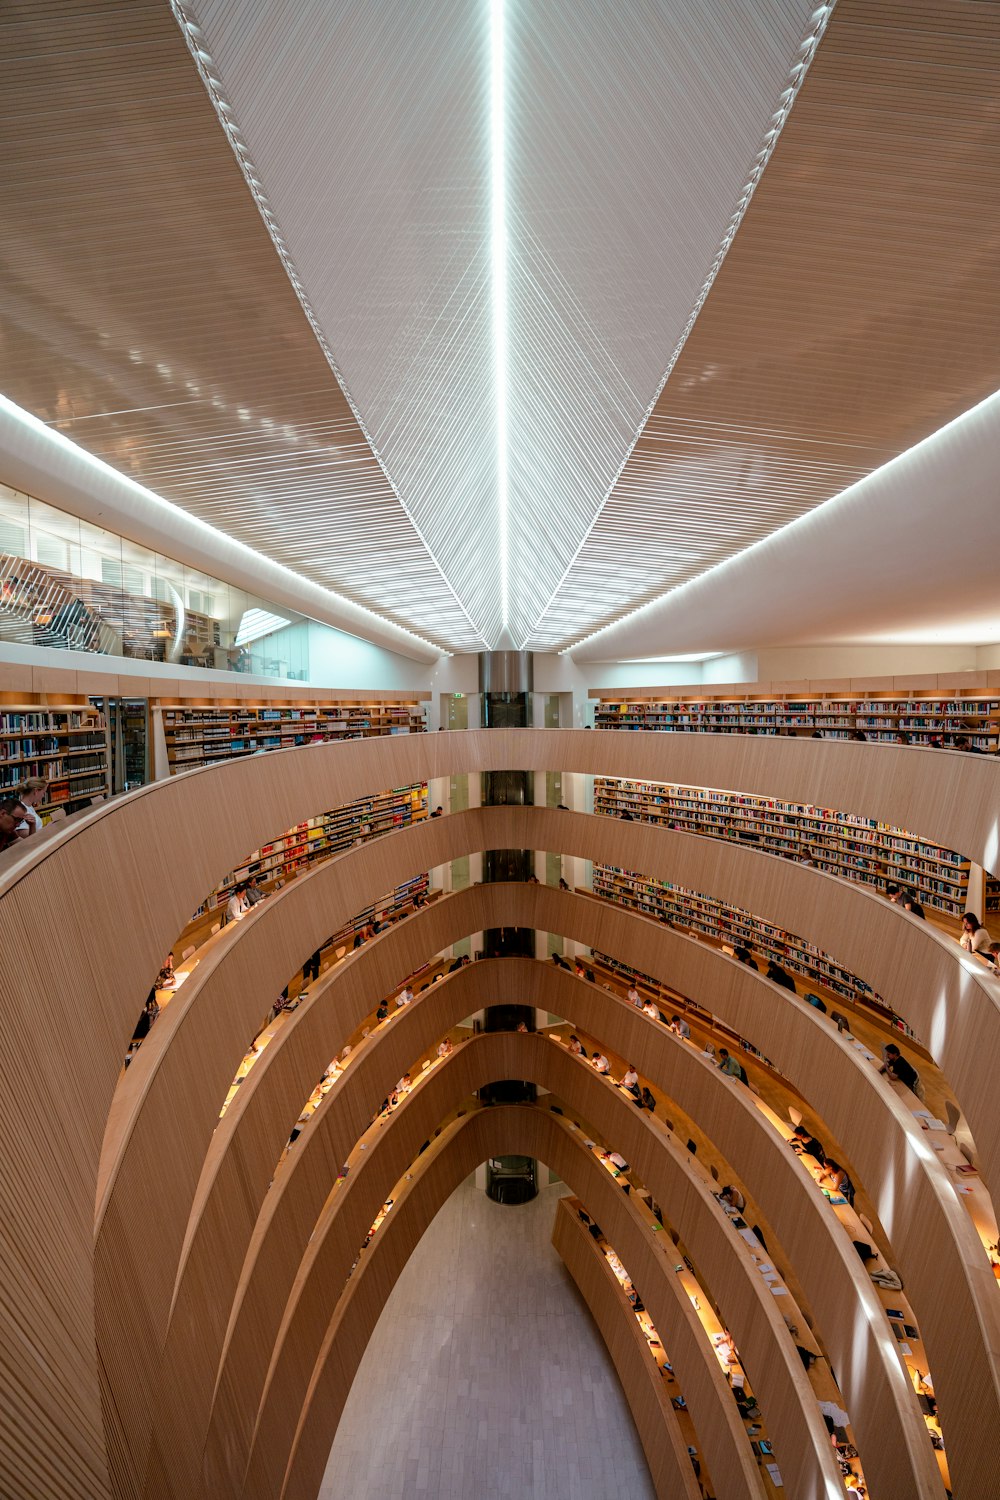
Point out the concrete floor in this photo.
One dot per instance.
(486, 1377)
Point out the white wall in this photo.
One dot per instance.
(339, 660)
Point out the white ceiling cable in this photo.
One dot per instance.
(497, 216)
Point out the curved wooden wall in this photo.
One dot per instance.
(533, 1131)
(654, 1417)
(882, 1403)
(917, 1206)
(63, 1055)
(767, 1350)
(956, 997)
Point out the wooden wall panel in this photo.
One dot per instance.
(654, 1416)
(888, 1424)
(951, 1001)
(538, 1133)
(766, 1348)
(299, 1194)
(914, 1209)
(62, 1055)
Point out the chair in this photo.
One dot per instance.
(187, 952)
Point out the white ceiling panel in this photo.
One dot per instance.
(631, 133)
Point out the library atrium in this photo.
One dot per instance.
(499, 679)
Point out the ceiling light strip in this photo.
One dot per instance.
(797, 525)
(498, 255)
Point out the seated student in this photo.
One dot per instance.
(600, 1062)
(31, 792)
(911, 904)
(993, 957)
(894, 894)
(839, 1180)
(778, 975)
(563, 884)
(680, 1028)
(149, 1014)
(445, 1047)
(647, 1101)
(630, 1084)
(895, 1066)
(975, 938)
(649, 1009)
(745, 957)
(804, 1142)
(616, 1160)
(438, 812)
(383, 1010)
(729, 1065)
(404, 997)
(633, 997)
(238, 905)
(575, 1045)
(731, 1197)
(962, 742)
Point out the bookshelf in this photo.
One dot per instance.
(66, 744)
(844, 844)
(317, 839)
(200, 736)
(732, 927)
(881, 718)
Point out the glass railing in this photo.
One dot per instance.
(68, 584)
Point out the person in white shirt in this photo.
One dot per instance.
(630, 1079)
(680, 1028)
(633, 996)
(974, 939)
(31, 793)
(650, 1010)
(601, 1063)
(238, 905)
(404, 997)
(444, 1048)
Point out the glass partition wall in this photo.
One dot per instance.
(72, 585)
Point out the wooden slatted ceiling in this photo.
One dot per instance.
(143, 310)
(857, 311)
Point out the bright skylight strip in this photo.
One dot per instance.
(256, 623)
(498, 255)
